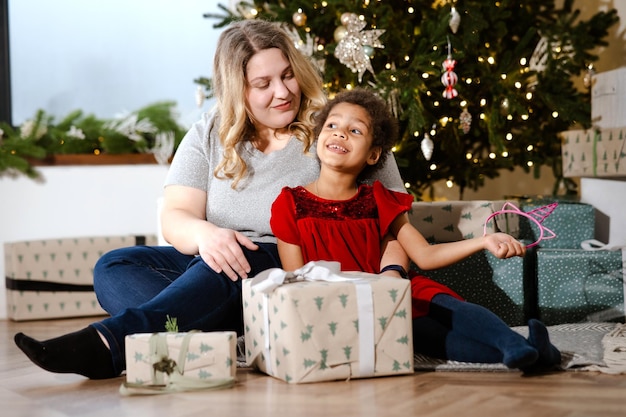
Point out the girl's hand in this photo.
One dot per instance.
(221, 250)
(503, 246)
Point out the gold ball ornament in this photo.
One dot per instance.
(340, 33)
(299, 19)
(346, 17)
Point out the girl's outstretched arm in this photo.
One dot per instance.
(427, 256)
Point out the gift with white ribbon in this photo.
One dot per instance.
(318, 323)
(158, 363)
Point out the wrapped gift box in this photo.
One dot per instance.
(608, 98)
(575, 285)
(504, 286)
(450, 221)
(53, 278)
(572, 222)
(608, 197)
(594, 153)
(321, 331)
(180, 361)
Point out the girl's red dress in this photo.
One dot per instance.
(348, 231)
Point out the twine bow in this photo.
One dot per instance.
(175, 371)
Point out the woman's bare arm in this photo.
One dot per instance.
(184, 226)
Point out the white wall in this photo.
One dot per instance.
(79, 201)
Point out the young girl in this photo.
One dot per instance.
(335, 218)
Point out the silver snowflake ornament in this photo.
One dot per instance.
(350, 50)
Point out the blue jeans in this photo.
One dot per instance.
(141, 285)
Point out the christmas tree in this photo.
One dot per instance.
(477, 86)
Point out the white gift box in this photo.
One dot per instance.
(608, 196)
(180, 361)
(450, 221)
(594, 153)
(608, 98)
(53, 278)
(327, 325)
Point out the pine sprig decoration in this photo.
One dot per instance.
(519, 95)
(77, 133)
(15, 151)
(171, 324)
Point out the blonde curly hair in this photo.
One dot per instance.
(236, 45)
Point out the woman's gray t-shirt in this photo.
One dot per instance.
(247, 208)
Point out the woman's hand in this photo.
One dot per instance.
(184, 226)
(503, 246)
(221, 250)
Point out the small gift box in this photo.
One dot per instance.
(450, 221)
(594, 153)
(608, 106)
(575, 285)
(320, 324)
(572, 222)
(170, 361)
(608, 197)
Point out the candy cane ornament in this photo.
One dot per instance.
(449, 77)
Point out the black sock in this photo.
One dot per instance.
(81, 352)
(549, 355)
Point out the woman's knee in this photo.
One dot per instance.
(114, 268)
(104, 264)
(107, 265)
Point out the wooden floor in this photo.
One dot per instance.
(26, 390)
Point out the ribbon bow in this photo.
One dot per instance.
(270, 279)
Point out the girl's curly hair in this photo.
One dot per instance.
(384, 125)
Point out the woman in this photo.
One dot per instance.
(224, 177)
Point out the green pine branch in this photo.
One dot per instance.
(77, 133)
